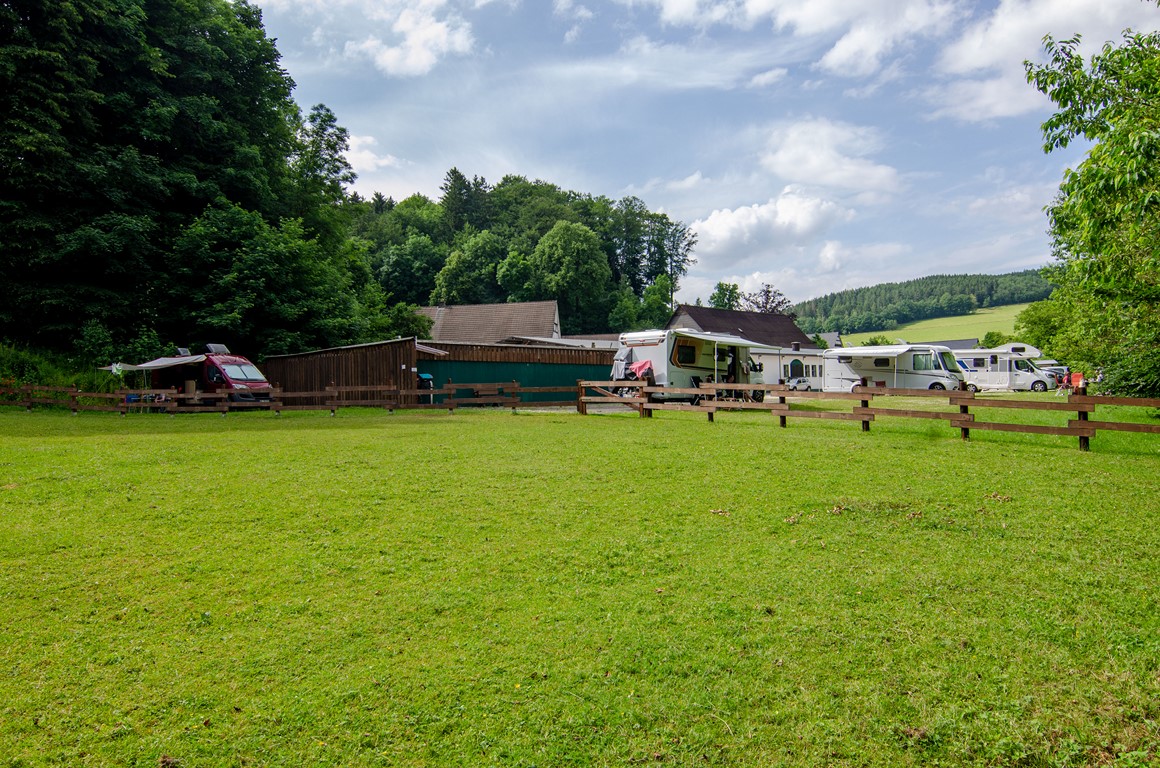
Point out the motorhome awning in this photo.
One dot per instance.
(153, 365)
(893, 350)
(723, 339)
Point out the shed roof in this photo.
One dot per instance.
(492, 323)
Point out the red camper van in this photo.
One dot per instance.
(216, 370)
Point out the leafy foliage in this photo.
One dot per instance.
(1105, 221)
(135, 137)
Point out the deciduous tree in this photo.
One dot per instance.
(1105, 221)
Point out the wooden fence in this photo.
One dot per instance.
(451, 396)
(965, 410)
(775, 398)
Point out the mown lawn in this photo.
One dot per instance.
(425, 589)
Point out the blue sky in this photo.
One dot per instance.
(813, 144)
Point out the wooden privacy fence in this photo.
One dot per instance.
(709, 398)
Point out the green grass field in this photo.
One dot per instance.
(973, 326)
(545, 589)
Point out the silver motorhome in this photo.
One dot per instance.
(1007, 369)
(908, 366)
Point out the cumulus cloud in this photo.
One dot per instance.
(363, 158)
(732, 235)
(577, 14)
(864, 33)
(403, 38)
(419, 41)
(642, 61)
(831, 154)
(984, 65)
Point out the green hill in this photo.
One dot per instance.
(888, 306)
(972, 326)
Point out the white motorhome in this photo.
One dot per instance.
(1009, 369)
(683, 358)
(908, 366)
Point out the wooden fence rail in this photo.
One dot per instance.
(709, 398)
(449, 397)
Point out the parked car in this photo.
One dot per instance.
(800, 383)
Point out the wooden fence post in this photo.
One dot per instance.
(581, 406)
(964, 432)
(865, 404)
(782, 420)
(1084, 440)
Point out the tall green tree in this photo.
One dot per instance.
(725, 296)
(1105, 221)
(120, 121)
(569, 266)
(469, 274)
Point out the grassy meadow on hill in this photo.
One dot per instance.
(972, 326)
(483, 588)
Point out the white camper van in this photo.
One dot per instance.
(1008, 369)
(908, 366)
(683, 358)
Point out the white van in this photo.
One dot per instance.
(905, 366)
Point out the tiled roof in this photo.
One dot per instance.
(774, 330)
(492, 323)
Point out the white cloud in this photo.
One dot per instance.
(864, 33)
(985, 63)
(577, 14)
(401, 37)
(643, 62)
(363, 158)
(421, 40)
(830, 154)
(768, 77)
(730, 236)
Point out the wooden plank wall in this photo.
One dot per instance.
(387, 363)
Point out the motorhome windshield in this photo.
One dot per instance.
(243, 372)
(948, 361)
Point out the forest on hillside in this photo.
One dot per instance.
(885, 306)
(159, 186)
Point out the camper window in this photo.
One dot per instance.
(923, 361)
(686, 353)
(882, 362)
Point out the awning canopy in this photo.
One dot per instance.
(892, 350)
(153, 365)
(723, 339)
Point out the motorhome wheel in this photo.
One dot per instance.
(937, 386)
(972, 388)
(1038, 386)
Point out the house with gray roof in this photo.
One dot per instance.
(765, 328)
